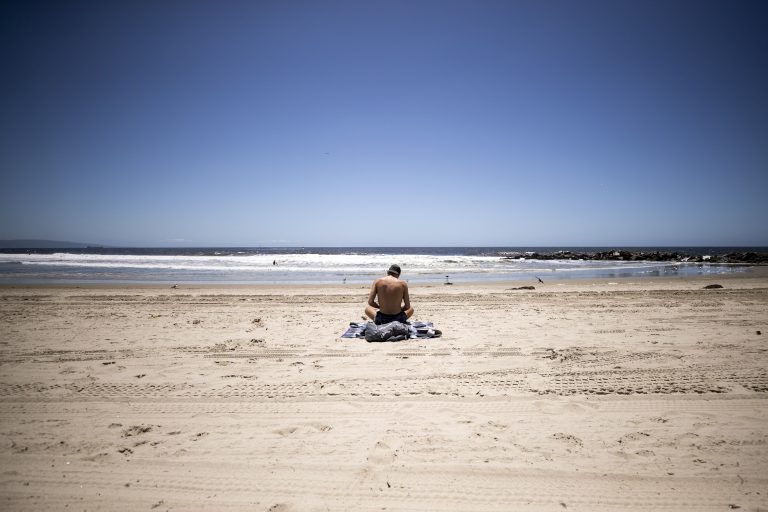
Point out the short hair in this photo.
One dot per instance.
(394, 270)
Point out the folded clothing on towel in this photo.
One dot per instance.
(392, 331)
(389, 332)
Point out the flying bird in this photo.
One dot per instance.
(537, 277)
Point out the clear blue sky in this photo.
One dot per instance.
(385, 123)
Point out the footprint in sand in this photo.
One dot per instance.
(381, 453)
(568, 439)
(136, 430)
(310, 428)
(285, 431)
(633, 436)
(280, 507)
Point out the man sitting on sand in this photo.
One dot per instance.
(394, 303)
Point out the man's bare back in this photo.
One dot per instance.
(392, 294)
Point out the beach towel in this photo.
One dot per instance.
(389, 332)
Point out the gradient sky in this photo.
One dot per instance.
(367, 123)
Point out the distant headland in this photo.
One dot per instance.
(45, 244)
(755, 258)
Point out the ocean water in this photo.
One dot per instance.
(330, 265)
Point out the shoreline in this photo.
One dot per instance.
(192, 268)
(757, 273)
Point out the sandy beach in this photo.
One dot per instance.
(631, 394)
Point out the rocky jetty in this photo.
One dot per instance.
(753, 258)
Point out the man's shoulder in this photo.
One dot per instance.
(390, 280)
(400, 283)
(379, 281)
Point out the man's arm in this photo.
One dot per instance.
(406, 297)
(372, 296)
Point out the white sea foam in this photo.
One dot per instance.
(308, 267)
(351, 263)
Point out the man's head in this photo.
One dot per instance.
(394, 271)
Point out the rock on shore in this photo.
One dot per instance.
(753, 258)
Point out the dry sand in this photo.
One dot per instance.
(604, 395)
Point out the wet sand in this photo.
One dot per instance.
(631, 394)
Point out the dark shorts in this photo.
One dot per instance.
(382, 318)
